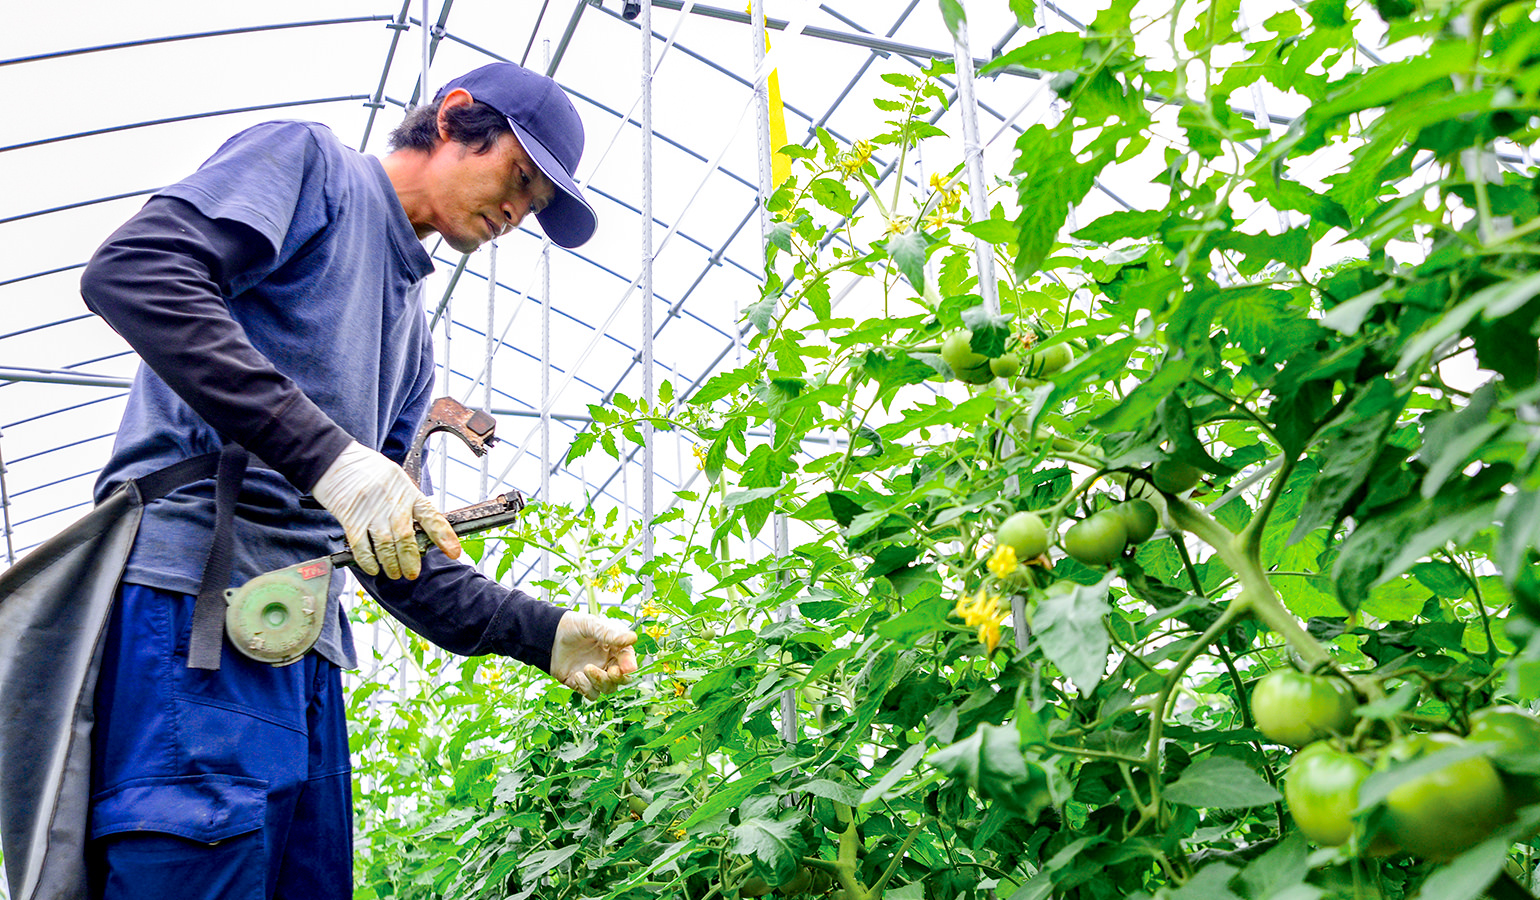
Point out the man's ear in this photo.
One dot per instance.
(455, 98)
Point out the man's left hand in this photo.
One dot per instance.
(592, 655)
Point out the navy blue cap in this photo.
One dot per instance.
(546, 124)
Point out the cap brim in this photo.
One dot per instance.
(567, 220)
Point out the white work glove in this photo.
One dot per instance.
(592, 655)
(377, 505)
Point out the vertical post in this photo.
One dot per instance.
(973, 156)
(648, 392)
(422, 91)
(780, 536)
(486, 368)
(983, 251)
(5, 513)
(545, 376)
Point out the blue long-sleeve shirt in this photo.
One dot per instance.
(274, 297)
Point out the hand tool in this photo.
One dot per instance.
(276, 617)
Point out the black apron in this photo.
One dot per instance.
(54, 606)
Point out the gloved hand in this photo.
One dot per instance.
(377, 504)
(592, 655)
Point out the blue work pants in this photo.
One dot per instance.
(232, 784)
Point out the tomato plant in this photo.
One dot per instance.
(1311, 349)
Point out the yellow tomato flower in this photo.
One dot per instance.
(860, 154)
(982, 610)
(680, 689)
(989, 635)
(1004, 561)
(657, 632)
(937, 181)
(898, 225)
(699, 452)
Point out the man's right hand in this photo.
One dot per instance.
(378, 505)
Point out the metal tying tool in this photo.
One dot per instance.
(277, 616)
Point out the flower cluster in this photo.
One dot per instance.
(983, 611)
(699, 452)
(1003, 562)
(948, 201)
(859, 155)
(609, 580)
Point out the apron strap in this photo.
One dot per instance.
(208, 624)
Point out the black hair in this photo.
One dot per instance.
(477, 126)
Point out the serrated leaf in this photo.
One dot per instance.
(773, 844)
(908, 252)
(991, 763)
(832, 195)
(1069, 628)
(1221, 782)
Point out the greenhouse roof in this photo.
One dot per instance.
(120, 100)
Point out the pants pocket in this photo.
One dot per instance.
(200, 836)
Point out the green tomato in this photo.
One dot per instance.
(1297, 709)
(1174, 476)
(1049, 360)
(1025, 533)
(1321, 790)
(1139, 519)
(1510, 731)
(1445, 812)
(957, 352)
(1096, 540)
(1005, 365)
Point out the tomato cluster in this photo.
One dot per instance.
(976, 368)
(1436, 815)
(1101, 537)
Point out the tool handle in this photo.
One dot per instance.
(504, 509)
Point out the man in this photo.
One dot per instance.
(274, 296)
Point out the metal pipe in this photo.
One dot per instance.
(61, 376)
(648, 299)
(5, 509)
(223, 32)
(881, 45)
(376, 102)
(187, 118)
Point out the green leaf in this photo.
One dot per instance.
(832, 195)
(994, 231)
(730, 794)
(1221, 782)
(954, 15)
(1349, 455)
(1129, 223)
(1492, 302)
(908, 252)
(1059, 51)
(1025, 11)
(760, 313)
(990, 330)
(773, 844)
(1280, 873)
(780, 235)
(900, 768)
(1069, 628)
(991, 763)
